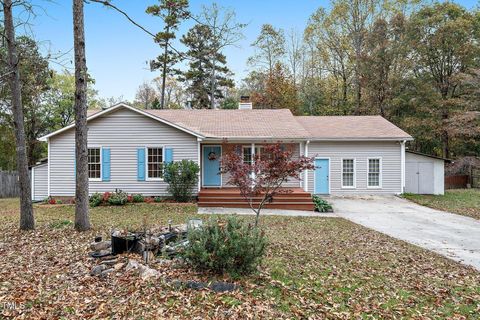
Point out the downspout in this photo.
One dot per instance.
(402, 166)
(305, 186)
(199, 164)
(49, 161)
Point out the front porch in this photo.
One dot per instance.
(288, 199)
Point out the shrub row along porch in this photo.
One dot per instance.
(288, 198)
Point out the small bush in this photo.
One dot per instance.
(148, 200)
(96, 199)
(321, 205)
(229, 245)
(118, 198)
(106, 196)
(138, 198)
(181, 177)
(157, 199)
(50, 200)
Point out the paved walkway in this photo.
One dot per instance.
(266, 212)
(451, 235)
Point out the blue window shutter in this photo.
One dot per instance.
(141, 164)
(105, 164)
(168, 155)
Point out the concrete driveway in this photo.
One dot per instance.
(451, 235)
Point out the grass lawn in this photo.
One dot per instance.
(315, 268)
(462, 201)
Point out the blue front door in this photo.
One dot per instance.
(211, 166)
(321, 176)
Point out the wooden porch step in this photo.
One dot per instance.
(286, 206)
(289, 199)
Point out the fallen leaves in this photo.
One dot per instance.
(314, 268)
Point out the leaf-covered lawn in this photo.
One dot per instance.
(315, 267)
(461, 201)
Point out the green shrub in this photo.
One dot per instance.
(157, 199)
(138, 198)
(225, 245)
(182, 178)
(118, 198)
(321, 205)
(96, 199)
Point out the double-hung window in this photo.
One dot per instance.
(94, 163)
(247, 153)
(348, 173)
(374, 173)
(155, 163)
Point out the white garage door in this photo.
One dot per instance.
(419, 177)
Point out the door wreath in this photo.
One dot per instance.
(212, 156)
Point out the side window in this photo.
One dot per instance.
(348, 173)
(374, 172)
(94, 163)
(155, 163)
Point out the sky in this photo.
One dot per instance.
(118, 52)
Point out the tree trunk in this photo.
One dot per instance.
(164, 72)
(27, 221)
(82, 221)
(212, 85)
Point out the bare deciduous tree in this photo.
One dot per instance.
(82, 221)
(27, 221)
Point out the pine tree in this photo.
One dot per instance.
(201, 51)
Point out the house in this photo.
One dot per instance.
(127, 146)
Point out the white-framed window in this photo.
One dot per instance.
(247, 153)
(95, 163)
(348, 173)
(154, 163)
(374, 173)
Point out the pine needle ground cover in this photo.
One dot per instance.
(314, 267)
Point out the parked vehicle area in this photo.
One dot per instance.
(314, 267)
(460, 201)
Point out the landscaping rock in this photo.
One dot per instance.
(164, 262)
(119, 266)
(195, 285)
(222, 286)
(97, 270)
(102, 245)
(109, 262)
(132, 265)
(106, 272)
(146, 272)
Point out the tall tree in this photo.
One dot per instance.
(82, 221)
(445, 45)
(225, 31)
(172, 12)
(27, 221)
(280, 92)
(269, 48)
(146, 95)
(200, 42)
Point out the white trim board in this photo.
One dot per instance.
(118, 106)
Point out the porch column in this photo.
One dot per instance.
(253, 157)
(305, 173)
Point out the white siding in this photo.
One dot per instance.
(123, 131)
(389, 152)
(40, 182)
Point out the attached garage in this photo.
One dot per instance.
(424, 174)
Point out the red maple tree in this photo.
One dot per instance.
(263, 177)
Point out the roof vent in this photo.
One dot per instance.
(245, 103)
